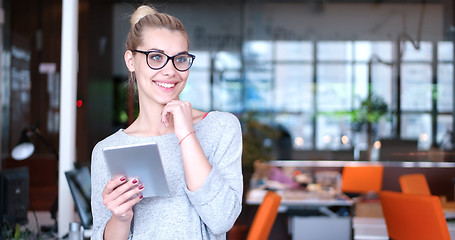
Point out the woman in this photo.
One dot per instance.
(201, 152)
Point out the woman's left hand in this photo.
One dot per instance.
(182, 113)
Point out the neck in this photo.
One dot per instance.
(148, 123)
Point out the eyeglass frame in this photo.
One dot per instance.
(146, 53)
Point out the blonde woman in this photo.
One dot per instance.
(201, 152)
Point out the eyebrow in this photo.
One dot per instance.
(161, 51)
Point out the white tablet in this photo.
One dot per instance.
(140, 161)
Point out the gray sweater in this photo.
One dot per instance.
(207, 213)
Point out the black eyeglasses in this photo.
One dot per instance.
(157, 60)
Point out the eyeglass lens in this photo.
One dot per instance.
(157, 60)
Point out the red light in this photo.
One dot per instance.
(79, 103)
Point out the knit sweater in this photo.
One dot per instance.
(207, 213)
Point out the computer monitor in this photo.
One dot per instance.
(14, 196)
(80, 187)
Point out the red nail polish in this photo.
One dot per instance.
(140, 196)
(141, 187)
(122, 179)
(134, 181)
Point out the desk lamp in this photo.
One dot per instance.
(25, 149)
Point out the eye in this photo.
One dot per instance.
(181, 58)
(156, 57)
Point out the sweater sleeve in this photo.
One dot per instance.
(219, 200)
(101, 214)
(99, 177)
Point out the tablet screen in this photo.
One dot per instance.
(140, 161)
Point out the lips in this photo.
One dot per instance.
(164, 85)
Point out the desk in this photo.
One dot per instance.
(375, 228)
(312, 213)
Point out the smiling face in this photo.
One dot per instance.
(163, 85)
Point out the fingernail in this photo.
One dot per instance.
(122, 179)
(134, 181)
(140, 196)
(141, 187)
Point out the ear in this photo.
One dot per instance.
(129, 60)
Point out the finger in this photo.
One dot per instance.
(165, 118)
(119, 190)
(125, 211)
(182, 116)
(129, 204)
(127, 195)
(125, 187)
(124, 201)
(113, 202)
(112, 184)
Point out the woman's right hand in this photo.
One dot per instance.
(120, 195)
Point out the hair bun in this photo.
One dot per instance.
(141, 12)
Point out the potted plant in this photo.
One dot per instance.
(367, 116)
(8, 232)
(255, 134)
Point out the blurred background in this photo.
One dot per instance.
(366, 80)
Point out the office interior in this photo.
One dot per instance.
(315, 83)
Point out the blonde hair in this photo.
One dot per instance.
(148, 17)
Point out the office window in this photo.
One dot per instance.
(227, 83)
(444, 95)
(445, 87)
(333, 91)
(416, 88)
(293, 76)
(375, 51)
(333, 87)
(382, 82)
(417, 93)
(293, 87)
(334, 51)
(445, 51)
(417, 126)
(293, 51)
(444, 127)
(257, 51)
(300, 127)
(227, 92)
(424, 53)
(360, 81)
(329, 131)
(259, 88)
(197, 89)
(279, 79)
(445, 77)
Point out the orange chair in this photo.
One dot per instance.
(265, 217)
(413, 217)
(362, 179)
(414, 184)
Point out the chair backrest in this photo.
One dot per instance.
(414, 184)
(413, 217)
(265, 217)
(362, 178)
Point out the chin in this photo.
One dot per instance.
(165, 101)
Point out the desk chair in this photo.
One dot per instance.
(265, 217)
(414, 184)
(413, 217)
(80, 187)
(362, 179)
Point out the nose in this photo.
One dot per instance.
(169, 68)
